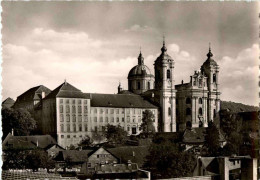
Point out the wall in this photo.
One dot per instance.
(73, 115)
(101, 156)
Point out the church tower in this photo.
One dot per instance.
(165, 90)
(211, 69)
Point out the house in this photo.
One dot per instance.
(194, 139)
(91, 158)
(27, 142)
(8, 103)
(133, 154)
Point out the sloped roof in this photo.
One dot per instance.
(120, 100)
(197, 135)
(28, 142)
(136, 154)
(9, 102)
(74, 155)
(33, 93)
(66, 90)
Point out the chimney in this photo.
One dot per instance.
(133, 154)
(37, 143)
(12, 132)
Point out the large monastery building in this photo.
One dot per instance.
(68, 114)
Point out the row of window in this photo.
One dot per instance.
(117, 111)
(73, 109)
(73, 128)
(73, 118)
(73, 101)
(112, 119)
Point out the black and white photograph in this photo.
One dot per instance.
(166, 90)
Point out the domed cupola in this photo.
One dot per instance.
(163, 56)
(139, 77)
(209, 61)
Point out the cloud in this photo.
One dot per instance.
(48, 57)
(93, 65)
(239, 76)
(137, 28)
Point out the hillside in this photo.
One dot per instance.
(237, 107)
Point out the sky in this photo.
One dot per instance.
(93, 45)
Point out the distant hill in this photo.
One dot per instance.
(237, 107)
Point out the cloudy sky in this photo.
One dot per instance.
(93, 45)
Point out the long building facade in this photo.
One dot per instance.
(69, 114)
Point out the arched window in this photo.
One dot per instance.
(188, 111)
(148, 85)
(62, 128)
(188, 125)
(169, 111)
(200, 82)
(200, 111)
(214, 78)
(188, 101)
(200, 100)
(168, 74)
(68, 127)
(138, 85)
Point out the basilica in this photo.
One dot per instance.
(180, 105)
(68, 114)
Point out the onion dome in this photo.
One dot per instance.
(210, 61)
(164, 56)
(140, 70)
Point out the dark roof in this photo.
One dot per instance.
(185, 85)
(197, 135)
(28, 142)
(125, 92)
(9, 102)
(33, 94)
(140, 70)
(163, 56)
(67, 90)
(75, 156)
(120, 100)
(136, 154)
(209, 60)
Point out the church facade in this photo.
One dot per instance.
(191, 104)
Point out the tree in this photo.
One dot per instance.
(20, 120)
(212, 140)
(98, 136)
(147, 126)
(27, 159)
(115, 134)
(85, 143)
(166, 160)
